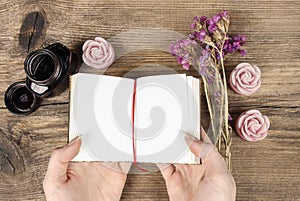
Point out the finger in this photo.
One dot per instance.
(207, 152)
(59, 161)
(125, 166)
(167, 170)
(204, 136)
(213, 157)
(216, 162)
(122, 167)
(194, 144)
(199, 148)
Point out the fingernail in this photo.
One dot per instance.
(202, 129)
(189, 139)
(74, 140)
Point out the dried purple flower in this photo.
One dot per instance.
(203, 19)
(212, 28)
(182, 49)
(242, 52)
(218, 55)
(211, 78)
(200, 35)
(216, 18)
(224, 13)
(193, 26)
(184, 62)
(211, 32)
(233, 44)
(217, 94)
(196, 19)
(243, 38)
(192, 36)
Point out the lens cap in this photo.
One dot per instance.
(20, 100)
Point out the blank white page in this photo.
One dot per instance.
(161, 119)
(100, 111)
(197, 107)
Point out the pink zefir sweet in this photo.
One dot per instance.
(245, 79)
(252, 125)
(98, 53)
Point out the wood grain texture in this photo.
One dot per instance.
(32, 29)
(266, 170)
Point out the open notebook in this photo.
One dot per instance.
(142, 120)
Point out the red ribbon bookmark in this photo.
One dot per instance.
(132, 134)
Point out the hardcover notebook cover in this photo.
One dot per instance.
(142, 120)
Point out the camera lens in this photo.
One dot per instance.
(47, 70)
(19, 99)
(42, 66)
(22, 98)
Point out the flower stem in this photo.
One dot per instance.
(209, 107)
(227, 137)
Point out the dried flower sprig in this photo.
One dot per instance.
(212, 35)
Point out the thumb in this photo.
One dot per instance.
(200, 148)
(59, 161)
(167, 170)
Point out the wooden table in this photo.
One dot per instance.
(266, 170)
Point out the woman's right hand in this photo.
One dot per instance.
(209, 181)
